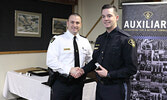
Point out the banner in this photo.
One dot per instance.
(147, 23)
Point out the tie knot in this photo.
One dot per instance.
(74, 37)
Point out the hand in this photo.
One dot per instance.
(103, 72)
(73, 71)
(79, 73)
(76, 72)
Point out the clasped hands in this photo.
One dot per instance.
(76, 72)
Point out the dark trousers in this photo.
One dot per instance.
(65, 91)
(112, 92)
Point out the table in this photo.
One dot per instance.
(30, 87)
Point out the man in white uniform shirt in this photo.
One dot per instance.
(60, 58)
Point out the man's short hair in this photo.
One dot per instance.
(75, 14)
(108, 6)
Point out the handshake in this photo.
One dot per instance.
(76, 72)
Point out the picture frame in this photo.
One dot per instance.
(123, 1)
(58, 25)
(120, 4)
(27, 24)
(131, 1)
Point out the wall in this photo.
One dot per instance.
(9, 42)
(90, 11)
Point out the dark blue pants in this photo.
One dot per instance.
(65, 91)
(112, 92)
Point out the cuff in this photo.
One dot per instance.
(108, 75)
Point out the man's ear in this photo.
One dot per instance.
(67, 23)
(117, 17)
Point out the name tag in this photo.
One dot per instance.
(97, 45)
(96, 48)
(66, 48)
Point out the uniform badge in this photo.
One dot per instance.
(52, 40)
(66, 48)
(97, 45)
(131, 42)
(96, 48)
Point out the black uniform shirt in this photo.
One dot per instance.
(117, 52)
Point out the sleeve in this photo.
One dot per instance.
(89, 53)
(91, 65)
(53, 55)
(130, 61)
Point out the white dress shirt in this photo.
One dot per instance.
(60, 54)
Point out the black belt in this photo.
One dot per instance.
(108, 81)
(70, 80)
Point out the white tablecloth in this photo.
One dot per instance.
(30, 87)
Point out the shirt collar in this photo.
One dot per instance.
(71, 36)
(113, 31)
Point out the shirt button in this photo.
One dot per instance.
(102, 52)
(101, 57)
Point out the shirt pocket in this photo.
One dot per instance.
(67, 53)
(83, 52)
(115, 54)
(116, 51)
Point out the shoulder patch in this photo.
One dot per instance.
(52, 39)
(132, 42)
(59, 34)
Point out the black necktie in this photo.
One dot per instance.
(76, 53)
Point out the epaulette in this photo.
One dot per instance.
(82, 36)
(54, 37)
(59, 34)
(102, 34)
(125, 33)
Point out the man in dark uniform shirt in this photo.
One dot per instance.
(116, 52)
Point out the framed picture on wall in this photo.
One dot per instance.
(27, 24)
(58, 25)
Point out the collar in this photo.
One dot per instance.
(71, 36)
(113, 31)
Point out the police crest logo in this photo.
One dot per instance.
(147, 14)
(131, 42)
